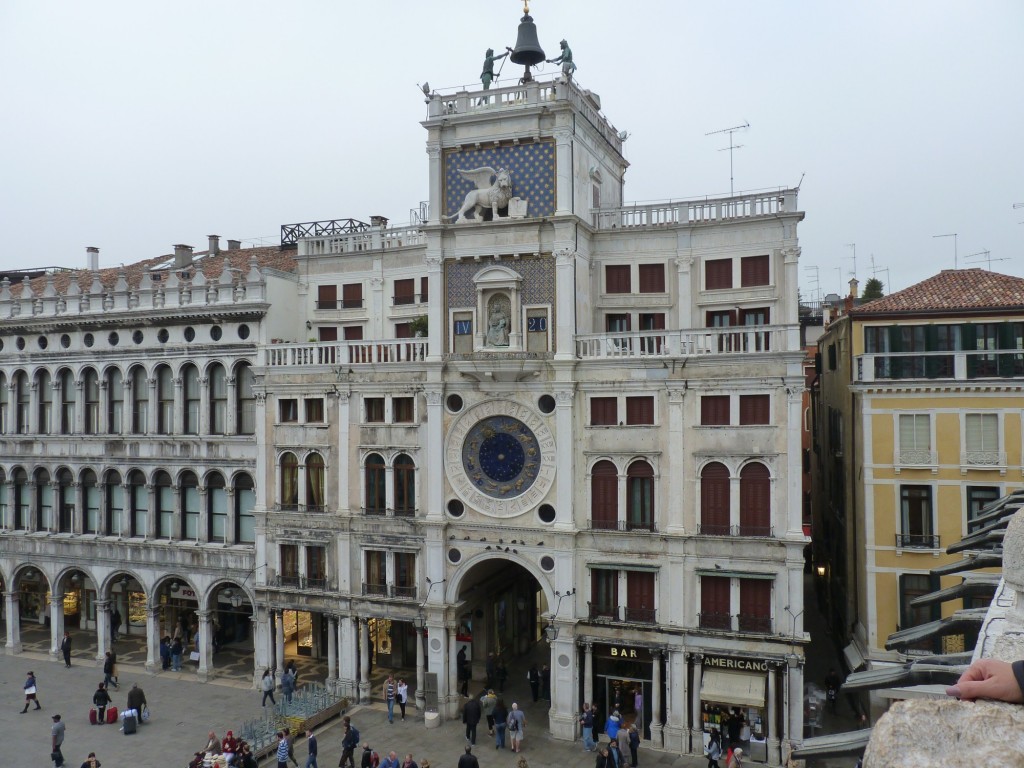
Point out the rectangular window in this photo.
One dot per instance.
(652, 321)
(723, 318)
(374, 410)
(640, 410)
(376, 573)
(405, 292)
(604, 411)
(755, 605)
(402, 410)
(916, 517)
(616, 277)
(754, 316)
(314, 409)
(353, 333)
(352, 296)
(604, 593)
(288, 409)
(424, 290)
(717, 274)
(316, 567)
(403, 331)
(290, 565)
(753, 271)
(640, 596)
(915, 432)
(327, 297)
(714, 410)
(982, 435)
(715, 602)
(652, 278)
(405, 574)
(754, 409)
(327, 332)
(978, 496)
(913, 585)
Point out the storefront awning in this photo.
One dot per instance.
(732, 688)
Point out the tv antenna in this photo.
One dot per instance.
(854, 257)
(816, 284)
(954, 236)
(731, 147)
(876, 271)
(986, 256)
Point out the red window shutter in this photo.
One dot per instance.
(722, 318)
(604, 496)
(753, 271)
(714, 599)
(403, 331)
(352, 295)
(755, 500)
(328, 332)
(423, 289)
(717, 274)
(604, 411)
(652, 278)
(714, 499)
(326, 296)
(405, 291)
(756, 597)
(640, 410)
(754, 409)
(617, 278)
(714, 410)
(640, 595)
(353, 333)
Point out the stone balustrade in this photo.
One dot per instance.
(702, 211)
(375, 239)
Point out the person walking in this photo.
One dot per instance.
(500, 723)
(287, 685)
(56, 739)
(534, 677)
(136, 701)
(108, 669)
(714, 748)
(30, 692)
(165, 653)
(311, 746)
(614, 755)
(290, 738)
(65, 648)
(177, 649)
(349, 742)
(115, 625)
(736, 761)
(471, 713)
(267, 686)
(91, 761)
(402, 695)
(587, 726)
(113, 668)
(409, 762)
(390, 691)
(282, 750)
(634, 745)
(517, 727)
(622, 739)
(487, 702)
(468, 759)
(603, 760)
(101, 698)
(391, 761)
(611, 727)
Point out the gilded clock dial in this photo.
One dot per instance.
(501, 456)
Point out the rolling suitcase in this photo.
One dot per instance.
(111, 715)
(92, 715)
(131, 724)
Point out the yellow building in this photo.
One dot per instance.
(917, 410)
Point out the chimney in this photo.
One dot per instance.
(853, 287)
(92, 258)
(214, 244)
(234, 245)
(182, 256)
(379, 221)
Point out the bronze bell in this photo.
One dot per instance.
(527, 51)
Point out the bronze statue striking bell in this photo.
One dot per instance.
(527, 51)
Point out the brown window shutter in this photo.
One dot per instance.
(326, 297)
(753, 271)
(755, 597)
(423, 289)
(754, 409)
(604, 496)
(640, 594)
(352, 295)
(652, 278)
(640, 410)
(617, 278)
(755, 501)
(328, 332)
(405, 291)
(714, 410)
(403, 331)
(717, 274)
(353, 333)
(604, 411)
(714, 499)
(714, 596)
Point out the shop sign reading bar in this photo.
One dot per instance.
(723, 662)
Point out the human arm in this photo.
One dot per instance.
(991, 679)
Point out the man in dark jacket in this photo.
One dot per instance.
(468, 759)
(136, 700)
(101, 698)
(471, 713)
(349, 742)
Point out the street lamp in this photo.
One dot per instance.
(821, 571)
(551, 631)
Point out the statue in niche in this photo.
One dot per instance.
(486, 195)
(565, 59)
(497, 325)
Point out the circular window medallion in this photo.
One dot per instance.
(216, 333)
(137, 337)
(113, 338)
(547, 563)
(563, 660)
(243, 331)
(454, 555)
(20, 342)
(88, 340)
(162, 335)
(456, 508)
(43, 342)
(500, 458)
(65, 341)
(1, 345)
(546, 403)
(435, 645)
(454, 403)
(546, 513)
(190, 333)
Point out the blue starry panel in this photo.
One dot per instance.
(532, 167)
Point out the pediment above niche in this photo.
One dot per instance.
(496, 275)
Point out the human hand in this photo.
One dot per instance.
(988, 679)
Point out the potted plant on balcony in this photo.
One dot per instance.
(418, 326)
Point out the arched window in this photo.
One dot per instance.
(115, 401)
(22, 500)
(114, 503)
(376, 501)
(245, 417)
(315, 482)
(189, 506)
(245, 503)
(140, 401)
(218, 399)
(24, 396)
(65, 518)
(165, 400)
(755, 500)
(45, 388)
(164, 506)
(405, 485)
(44, 500)
(91, 393)
(190, 384)
(289, 498)
(67, 402)
(138, 504)
(714, 500)
(91, 498)
(5, 396)
(217, 507)
(604, 497)
(640, 497)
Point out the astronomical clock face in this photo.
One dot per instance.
(500, 458)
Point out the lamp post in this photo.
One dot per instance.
(551, 631)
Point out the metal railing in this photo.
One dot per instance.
(752, 531)
(409, 298)
(646, 526)
(715, 620)
(957, 365)
(756, 624)
(623, 613)
(311, 508)
(917, 540)
(312, 584)
(340, 304)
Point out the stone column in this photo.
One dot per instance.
(127, 404)
(332, 651)
(279, 642)
(153, 660)
(56, 623)
(657, 736)
(231, 521)
(420, 670)
(684, 287)
(178, 427)
(796, 708)
(433, 491)
(204, 405)
(261, 634)
(203, 534)
(79, 426)
(13, 644)
(588, 673)
(771, 716)
(565, 315)
(152, 515)
(348, 673)
(33, 407)
(152, 408)
(562, 718)
(343, 450)
(696, 724)
(364, 661)
(102, 628)
(205, 644)
(453, 680)
(437, 662)
(672, 512)
(230, 424)
(101, 427)
(436, 319)
(178, 515)
(564, 178)
(564, 486)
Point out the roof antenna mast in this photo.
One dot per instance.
(731, 147)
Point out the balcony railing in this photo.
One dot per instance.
(622, 613)
(382, 512)
(310, 508)
(911, 458)
(308, 583)
(336, 353)
(957, 366)
(403, 591)
(983, 460)
(756, 531)
(340, 304)
(640, 615)
(624, 525)
(409, 298)
(714, 621)
(759, 624)
(700, 341)
(380, 590)
(739, 623)
(917, 541)
(697, 211)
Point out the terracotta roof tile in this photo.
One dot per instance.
(952, 290)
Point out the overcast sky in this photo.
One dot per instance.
(135, 125)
